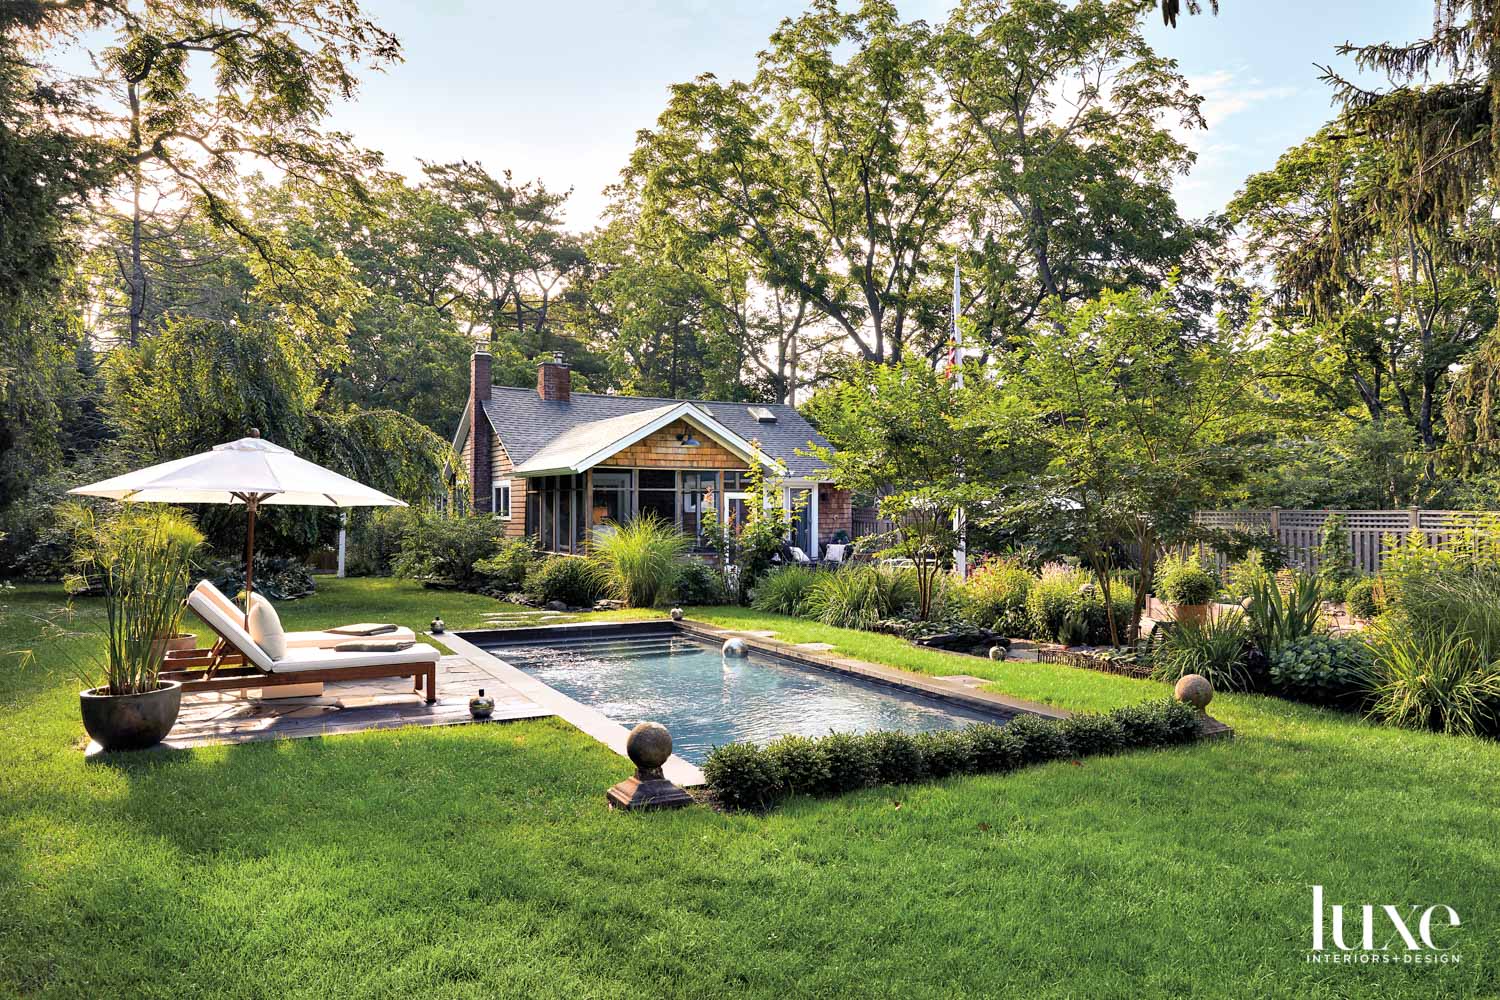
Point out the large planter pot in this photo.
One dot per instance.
(130, 721)
(1197, 614)
(181, 641)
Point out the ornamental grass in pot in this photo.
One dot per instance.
(142, 561)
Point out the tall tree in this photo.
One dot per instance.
(514, 248)
(1394, 294)
(834, 168)
(275, 69)
(1070, 193)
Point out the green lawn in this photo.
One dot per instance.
(480, 861)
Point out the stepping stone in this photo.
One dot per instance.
(815, 647)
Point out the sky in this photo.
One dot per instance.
(558, 90)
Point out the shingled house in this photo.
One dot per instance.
(554, 463)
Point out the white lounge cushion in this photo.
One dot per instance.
(265, 628)
(327, 640)
(230, 627)
(298, 660)
(315, 639)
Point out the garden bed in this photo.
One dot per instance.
(1093, 661)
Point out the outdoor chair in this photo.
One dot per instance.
(324, 639)
(237, 662)
(834, 555)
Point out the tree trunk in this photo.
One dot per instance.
(137, 282)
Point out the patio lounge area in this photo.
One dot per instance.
(230, 717)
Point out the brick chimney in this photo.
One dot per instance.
(481, 435)
(554, 379)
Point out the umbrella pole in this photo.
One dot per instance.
(252, 502)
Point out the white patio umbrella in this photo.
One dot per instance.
(250, 471)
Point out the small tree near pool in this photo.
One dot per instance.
(924, 534)
(1139, 425)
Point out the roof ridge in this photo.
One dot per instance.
(661, 399)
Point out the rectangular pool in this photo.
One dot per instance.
(706, 699)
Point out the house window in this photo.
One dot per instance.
(699, 491)
(658, 494)
(611, 500)
(500, 499)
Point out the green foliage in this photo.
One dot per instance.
(1277, 617)
(785, 591)
(508, 568)
(574, 580)
(898, 757)
(945, 752)
(994, 597)
(1432, 679)
(858, 596)
(699, 584)
(1437, 649)
(1242, 577)
(1335, 556)
(1093, 735)
(1064, 605)
(443, 551)
(279, 578)
(1361, 600)
(802, 765)
(1217, 648)
(1185, 581)
(1323, 669)
(374, 539)
(1039, 739)
(745, 777)
(754, 546)
(640, 561)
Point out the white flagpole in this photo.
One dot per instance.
(960, 523)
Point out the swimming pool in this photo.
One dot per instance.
(705, 699)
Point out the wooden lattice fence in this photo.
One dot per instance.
(1300, 531)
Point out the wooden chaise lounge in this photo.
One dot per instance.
(237, 662)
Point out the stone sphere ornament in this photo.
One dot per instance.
(648, 746)
(481, 706)
(438, 626)
(998, 652)
(676, 614)
(736, 648)
(1196, 690)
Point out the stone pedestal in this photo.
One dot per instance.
(656, 793)
(648, 746)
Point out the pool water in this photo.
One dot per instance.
(705, 699)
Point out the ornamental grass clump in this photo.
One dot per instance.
(860, 596)
(743, 776)
(143, 560)
(639, 561)
(784, 591)
(1216, 648)
(1437, 654)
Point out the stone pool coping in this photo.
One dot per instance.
(682, 772)
(589, 720)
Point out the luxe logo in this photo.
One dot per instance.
(1403, 937)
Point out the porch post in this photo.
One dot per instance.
(812, 522)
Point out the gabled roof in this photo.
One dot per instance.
(527, 424)
(584, 446)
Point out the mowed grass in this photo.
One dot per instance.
(480, 861)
